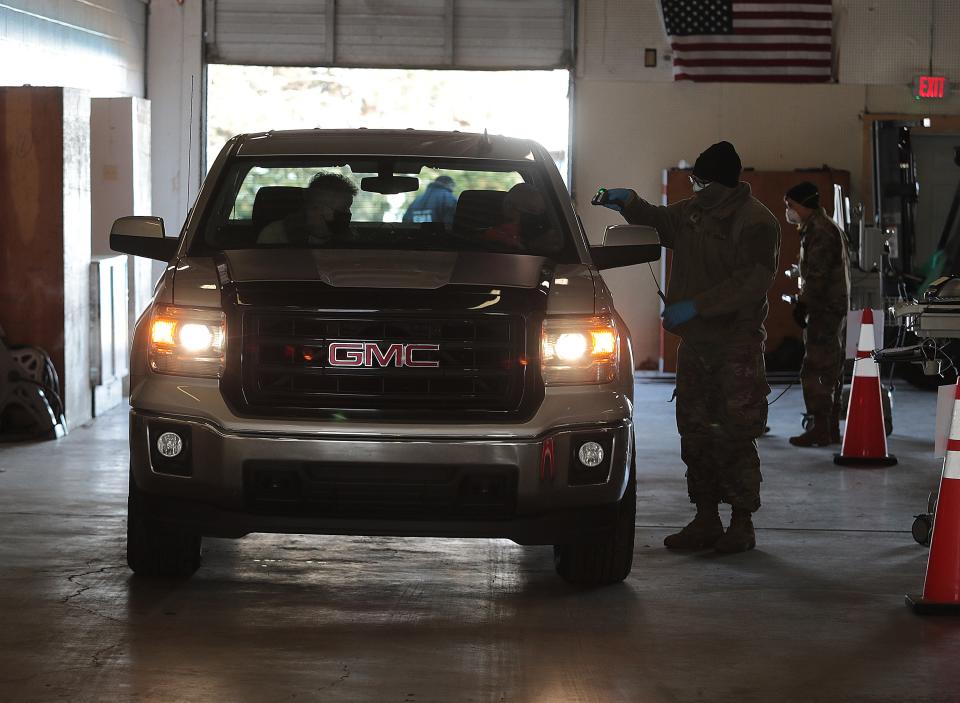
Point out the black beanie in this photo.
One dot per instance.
(719, 163)
(805, 194)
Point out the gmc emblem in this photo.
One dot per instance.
(355, 354)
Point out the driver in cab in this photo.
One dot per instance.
(523, 227)
(323, 218)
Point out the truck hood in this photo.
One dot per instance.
(569, 288)
(423, 270)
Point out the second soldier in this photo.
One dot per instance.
(821, 311)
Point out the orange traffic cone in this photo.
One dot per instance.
(865, 437)
(941, 588)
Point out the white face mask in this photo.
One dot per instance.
(697, 187)
(793, 217)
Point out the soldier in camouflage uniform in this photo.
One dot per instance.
(725, 246)
(822, 312)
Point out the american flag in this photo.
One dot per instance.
(756, 41)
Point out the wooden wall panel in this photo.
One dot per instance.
(768, 187)
(45, 231)
(31, 218)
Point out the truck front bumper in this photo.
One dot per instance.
(533, 490)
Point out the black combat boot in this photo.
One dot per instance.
(817, 432)
(702, 532)
(740, 536)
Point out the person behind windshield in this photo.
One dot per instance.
(435, 204)
(324, 217)
(523, 211)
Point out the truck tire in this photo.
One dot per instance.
(156, 549)
(609, 561)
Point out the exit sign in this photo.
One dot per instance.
(930, 87)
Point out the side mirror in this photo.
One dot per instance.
(142, 236)
(626, 245)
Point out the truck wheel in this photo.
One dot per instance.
(609, 561)
(158, 550)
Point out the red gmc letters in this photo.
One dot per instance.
(355, 354)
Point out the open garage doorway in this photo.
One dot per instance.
(528, 104)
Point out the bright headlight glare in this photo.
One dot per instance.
(571, 346)
(195, 337)
(187, 341)
(579, 350)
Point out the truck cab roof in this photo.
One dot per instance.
(400, 142)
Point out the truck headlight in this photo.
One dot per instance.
(187, 341)
(579, 350)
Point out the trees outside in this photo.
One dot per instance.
(367, 207)
(529, 104)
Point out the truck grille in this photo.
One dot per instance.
(364, 491)
(457, 363)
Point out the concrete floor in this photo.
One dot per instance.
(814, 614)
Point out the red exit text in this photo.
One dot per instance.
(931, 86)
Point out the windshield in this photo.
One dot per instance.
(387, 203)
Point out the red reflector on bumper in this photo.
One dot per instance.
(548, 463)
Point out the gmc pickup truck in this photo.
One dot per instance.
(330, 351)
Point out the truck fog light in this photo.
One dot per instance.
(169, 444)
(590, 454)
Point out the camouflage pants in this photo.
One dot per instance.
(822, 372)
(721, 410)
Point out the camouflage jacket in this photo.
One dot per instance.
(824, 265)
(725, 246)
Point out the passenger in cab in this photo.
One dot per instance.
(523, 213)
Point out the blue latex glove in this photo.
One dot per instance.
(678, 313)
(616, 198)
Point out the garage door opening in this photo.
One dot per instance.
(528, 104)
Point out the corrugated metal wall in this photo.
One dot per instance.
(96, 45)
(284, 32)
(482, 34)
(385, 33)
(522, 34)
